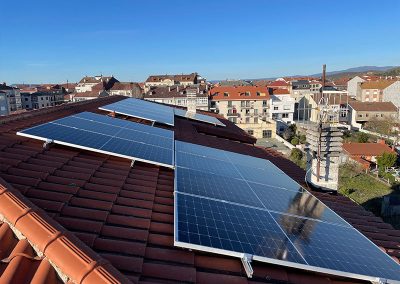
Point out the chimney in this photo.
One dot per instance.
(177, 89)
(381, 141)
(169, 88)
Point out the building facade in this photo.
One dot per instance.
(128, 89)
(13, 97)
(282, 108)
(170, 80)
(353, 86)
(4, 107)
(178, 95)
(392, 94)
(373, 91)
(87, 83)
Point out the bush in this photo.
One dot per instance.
(362, 137)
(302, 139)
(296, 154)
(386, 160)
(295, 141)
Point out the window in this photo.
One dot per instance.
(251, 132)
(247, 111)
(255, 111)
(276, 108)
(26, 99)
(226, 94)
(247, 103)
(256, 120)
(247, 119)
(366, 115)
(242, 103)
(247, 94)
(41, 98)
(360, 115)
(267, 133)
(286, 107)
(264, 110)
(264, 103)
(230, 104)
(258, 94)
(285, 115)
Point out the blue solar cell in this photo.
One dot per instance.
(214, 186)
(233, 228)
(337, 247)
(200, 150)
(206, 164)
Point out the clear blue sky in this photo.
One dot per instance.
(52, 41)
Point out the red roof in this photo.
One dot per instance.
(239, 93)
(366, 149)
(280, 92)
(278, 83)
(118, 219)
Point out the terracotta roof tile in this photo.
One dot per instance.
(366, 149)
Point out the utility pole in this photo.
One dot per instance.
(321, 114)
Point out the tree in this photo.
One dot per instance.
(296, 154)
(386, 160)
(295, 141)
(302, 139)
(288, 133)
(362, 137)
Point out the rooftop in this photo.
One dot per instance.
(380, 84)
(118, 219)
(366, 149)
(239, 93)
(373, 106)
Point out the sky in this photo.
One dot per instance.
(52, 41)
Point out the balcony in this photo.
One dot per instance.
(233, 114)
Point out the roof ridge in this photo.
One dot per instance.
(50, 239)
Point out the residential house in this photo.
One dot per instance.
(4, 106)
(372, 91)
(282, 108)
(392, 94)
(169, 80)
(341, 83)
(365, 154)
(362, 112)
(279, 84)
(247, 106)
(353, 86)
(13, 97)
(87, 83)
(72, 215)
(128, 89)
(178, 95)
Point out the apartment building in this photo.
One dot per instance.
(87, 83)
(128, 89)
(282, 108)
(362, 112)
(178, 95)
(89, 95)
(373, 91)
(247, 106)
(13, 97)
(170, 80)
(4, 107)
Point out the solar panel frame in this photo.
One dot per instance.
(142, 109)
(199, 117)
(107, 139)
(199, 149)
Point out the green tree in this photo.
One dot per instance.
(296, 154)
(362, 137)
(386, 160)
(295, 141)
(302, 139)
(381, 126)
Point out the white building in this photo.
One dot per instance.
(392, 94)
(87, 83)
(4, 107)
(353, 86)
(13, 97)
(282, 108)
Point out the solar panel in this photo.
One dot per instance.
(110, 136)
(198, 117)
(238, 205)
(142, 109)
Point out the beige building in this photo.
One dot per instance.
(373, 91)
(170, 80)
(247, 106)
(362, 112)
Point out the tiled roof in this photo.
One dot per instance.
(179, 78)
(239, 93)
(124, 86)
(88, 94)
(279, 92)
(373, 106)
(278, 83)
(366, 149)
(125, 214)
(380, 84)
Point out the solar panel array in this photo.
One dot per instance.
(234, 204)
(143, 109)
(155, 112)
(198, 117)
(110, 136)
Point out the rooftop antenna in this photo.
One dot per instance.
(321, 117)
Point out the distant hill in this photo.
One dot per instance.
(361, 69)
(392, 72)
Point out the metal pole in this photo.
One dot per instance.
(320, 125)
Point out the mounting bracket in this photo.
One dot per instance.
(246, 261)
(47, 143)
(132, 163)
(152, 123)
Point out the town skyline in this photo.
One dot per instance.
(219, 40)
